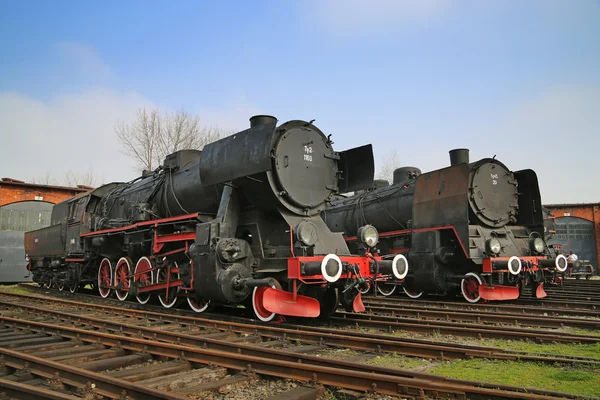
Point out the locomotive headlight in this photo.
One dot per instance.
(306, 232)
(368, 235)
(538, 245)
(494, 245)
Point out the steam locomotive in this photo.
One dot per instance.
(235, 223)
(474, 227)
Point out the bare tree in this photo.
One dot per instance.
(184, 131)
(73, 179)
(140, 139)
(152, 136)
(45, 179)
(388, 165)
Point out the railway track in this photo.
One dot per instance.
(255, 359)
(496, 307)
(185, 330)
(488, 317)
(390, 323)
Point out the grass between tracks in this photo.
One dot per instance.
(16, 289)
(550, 349)
(523, 374)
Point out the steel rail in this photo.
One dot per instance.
(460, 329)
(388, 345)
(22, 391)
(78, 377)
(356, 341)
(377, 379)
(480, 317)
(491, 307)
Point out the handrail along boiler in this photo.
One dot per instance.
(475, 228)
(237, 222)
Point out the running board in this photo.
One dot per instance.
(283, 303)
(489, 292)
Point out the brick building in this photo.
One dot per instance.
(24, 207)
(577, 227)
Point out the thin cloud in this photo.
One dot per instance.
(369, 16)
(84, 59)
(556, 133)
(69, 132)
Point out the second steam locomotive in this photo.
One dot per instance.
(474, 228)
(236, 223)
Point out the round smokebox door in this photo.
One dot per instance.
(305, 167)
(493, 194)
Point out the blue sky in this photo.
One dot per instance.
(516, 79)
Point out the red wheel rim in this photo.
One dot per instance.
(143, 275)
(122, 279)
(104, 278)
(257, 302)
(471, 288)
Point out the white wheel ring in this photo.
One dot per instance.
(151, 280)
(330, 278)
(122, 297)
(263, 319)
(557, 264)
(462, 287)
(110, 278)
(395, 271)
(510, 260)
(412, 295)
(365, 291)
(380, 290)
(172, 303)
(197, 309)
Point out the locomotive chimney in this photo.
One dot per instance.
(459, 156)
(262, 120)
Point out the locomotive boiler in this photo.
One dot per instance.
(235, 223)
(474, 227)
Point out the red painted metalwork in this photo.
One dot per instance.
(154, 222)
(498, 292)
(168, 253)
(161, 240)
(399, 251)
(540, 293)
(294, 288)
(357, 304)
(286, 303)
(161, 286)
(74, 259)
(294, 263)
(533, 260)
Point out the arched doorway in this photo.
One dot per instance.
(15, 220)
(576, 235)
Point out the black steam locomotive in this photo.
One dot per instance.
(475, 227)
(235, 223)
